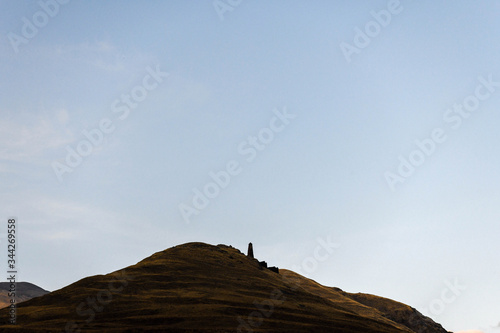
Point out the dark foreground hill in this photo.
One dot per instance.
(197, 287)
(24, 291)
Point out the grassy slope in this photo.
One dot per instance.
(399, 312)
(371, 305)
(199, 287)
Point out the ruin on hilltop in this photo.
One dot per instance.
(262, 264)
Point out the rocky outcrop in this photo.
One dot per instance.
(263, 264)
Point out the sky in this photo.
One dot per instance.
(354, 142)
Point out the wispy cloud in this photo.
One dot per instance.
(101, 55)
(49, 218)
(26, 138)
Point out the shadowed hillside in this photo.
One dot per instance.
(24, 292)
(197, 287)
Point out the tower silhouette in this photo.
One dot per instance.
(250, 250)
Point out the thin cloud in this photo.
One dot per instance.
(73, 218)
(102, 55)
(27, 138)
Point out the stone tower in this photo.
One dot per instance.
(250, 250)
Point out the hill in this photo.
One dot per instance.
(24, 292)
(197, 287)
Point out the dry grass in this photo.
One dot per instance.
(197, 287)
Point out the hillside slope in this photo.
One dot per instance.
(369, 305)
(196, 287)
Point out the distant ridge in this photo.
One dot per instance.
(24, 292)
(197, 287)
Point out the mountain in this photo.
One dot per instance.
(197, 287)
(24, 291)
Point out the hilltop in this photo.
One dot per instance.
(197, 287)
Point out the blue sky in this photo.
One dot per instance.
(321, 176)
